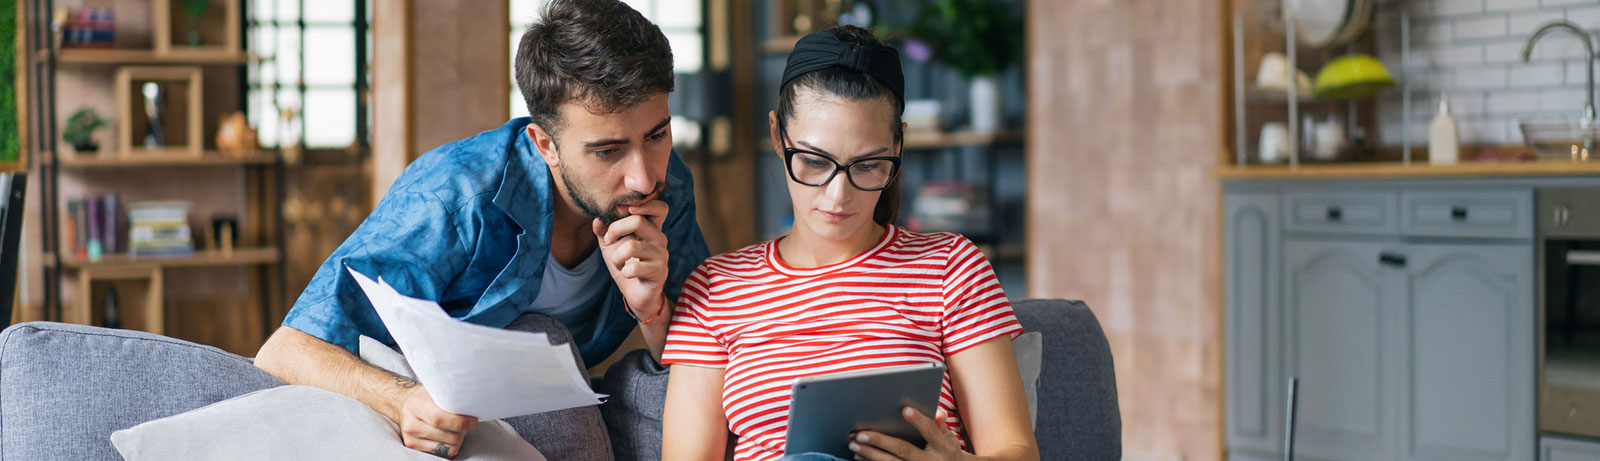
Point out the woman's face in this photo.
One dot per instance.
(842, 131)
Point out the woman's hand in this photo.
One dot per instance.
(942, 444)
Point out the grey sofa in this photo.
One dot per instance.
(65, 388)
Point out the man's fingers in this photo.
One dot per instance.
(421, 429)
(618, 256)
(432, 447)
(641, 269)
(599, 229)
(654, 210)
(639, 227)
(423, 437)
(448, 421)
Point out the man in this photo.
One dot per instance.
(521, 219)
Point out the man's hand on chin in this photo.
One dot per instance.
(635, 252)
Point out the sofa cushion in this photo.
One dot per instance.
(299, 422)
(637, 385)
(1078, 417)
(64, 388)
(573, 434)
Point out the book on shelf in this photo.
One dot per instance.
(92, 227)
(159, 228)
(96, 220)
(81, 214)
(110, 234)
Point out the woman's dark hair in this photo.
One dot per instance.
(851, 85)
(600, 53)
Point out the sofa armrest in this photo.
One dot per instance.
(65, 388)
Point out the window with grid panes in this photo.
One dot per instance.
(309, 61)
(680, 20)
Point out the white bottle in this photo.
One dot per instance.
(1443, 148)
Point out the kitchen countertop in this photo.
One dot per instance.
(1400, 170)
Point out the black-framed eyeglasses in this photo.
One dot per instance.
(816, 169)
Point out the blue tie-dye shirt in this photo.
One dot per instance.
(468, 225)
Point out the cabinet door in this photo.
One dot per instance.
(1254, 384)
(1342, 310)
(1565, 449)
(1471, 386)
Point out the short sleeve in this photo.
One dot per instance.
(976, 308)
(690, 340)
(410, 241)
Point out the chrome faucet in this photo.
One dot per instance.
(1588, 52)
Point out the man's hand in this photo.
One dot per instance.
(942, 444)
(635, 252)
(427, 428)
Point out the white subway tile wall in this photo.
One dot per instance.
(1472, 50)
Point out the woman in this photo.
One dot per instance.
(846, 290)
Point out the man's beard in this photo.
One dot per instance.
(590, 206)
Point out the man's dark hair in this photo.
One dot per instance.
(600, 53)
(852, 85)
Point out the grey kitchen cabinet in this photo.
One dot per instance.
(1471, 382)
(1341, 339)
(1407, 313)
(1254, 390)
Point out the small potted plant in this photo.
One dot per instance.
(196, 10)
(79, 131)
(979, 39)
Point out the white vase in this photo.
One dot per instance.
(985, 94)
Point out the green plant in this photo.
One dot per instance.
(80, 127)
(196, 8)
(10, 131)
(975, 37)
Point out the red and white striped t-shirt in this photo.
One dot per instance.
(914, 298)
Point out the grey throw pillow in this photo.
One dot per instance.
(298, 422)
(1029, 348)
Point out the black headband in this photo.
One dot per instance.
(821, 50)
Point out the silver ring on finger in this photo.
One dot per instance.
(441, 450)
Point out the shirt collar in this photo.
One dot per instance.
(526, 193)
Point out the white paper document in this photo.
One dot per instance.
(474, 370)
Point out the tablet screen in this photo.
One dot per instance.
(825, 410)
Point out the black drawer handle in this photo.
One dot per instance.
(1458, 213)
(1335, 213)
(1392, 259)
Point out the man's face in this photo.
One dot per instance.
(605, 162)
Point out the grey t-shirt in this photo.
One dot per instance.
(565, 293)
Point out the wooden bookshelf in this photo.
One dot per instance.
(208, 158)
(780, 45)
(936, 140)
(200, 258)
(124, 56)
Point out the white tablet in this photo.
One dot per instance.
(825, 410)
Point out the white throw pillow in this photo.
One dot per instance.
(297, 422)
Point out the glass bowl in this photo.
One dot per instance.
(1563, 139)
